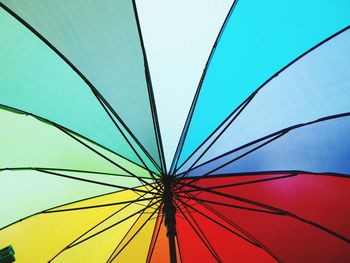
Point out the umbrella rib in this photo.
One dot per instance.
(199, 200)
(134, 235)
(154, 242)
(67, 131)
(99, 206)
(125, 235)
(91, 228)
(113, 225)
(241, 156)
(272, 136)
(178, 248)
(68, 62)
(108, 159)
(69, 170)
(126, 139)
(200, 235)
(254, 93)
(219, 224)
(217, 137)
(241, 230)
(107, 107)
(150, 93)
(201, 231)
(199, 87)
(243, 183)
(279, 211)
(137, 191)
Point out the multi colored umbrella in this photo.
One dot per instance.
(120, 141)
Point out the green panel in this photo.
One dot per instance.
(101, 39)
(28, 142)
(34, 79)
(27, 192)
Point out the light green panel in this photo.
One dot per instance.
(101, 39)
(125, 164)
(27, 192)
(34, 79)
(28, 142)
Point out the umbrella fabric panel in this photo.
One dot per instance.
(135, 245)
(196, 156)
(159, 247)
(252, 48)
(34, 79)
(30, 191)
(143, 157)
(177, 51)
(220, 161)
(101, 39)
(319, 147)
(75, 231)
(203, 240)
(29, 142)
(315, 86)
(297, 217)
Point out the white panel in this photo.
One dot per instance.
(178, 37)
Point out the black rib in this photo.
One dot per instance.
(65, 59)
(191, 197)
(279, 211)
(278, 133)
(236, 112)
(244, 183)
(200, 235)
(134, 235)
(274, 172)
(115, 224)
(137, 191)
(135, 201)
(65, 130)
(194, 102)
(91, 228)
(259, 244)
(150, 93)
(156, 230)
(128, 142)
(115, 114)
(237, 158)
(216, 222)
(289, 64)
(108, 159)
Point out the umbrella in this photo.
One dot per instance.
(174, 131)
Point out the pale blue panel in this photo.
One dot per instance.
(197, 155)
(260, 38)
(317, 85)
(177, 50)
(323, 147)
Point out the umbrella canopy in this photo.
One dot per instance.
(174, 131)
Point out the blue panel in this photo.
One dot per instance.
(315, 86)
(260, 38)
(220, 161)
(319, 147)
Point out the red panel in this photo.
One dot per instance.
(317, 198)
(227, 246)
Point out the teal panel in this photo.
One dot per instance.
(101, 39)
(34, 79)
(259, 39)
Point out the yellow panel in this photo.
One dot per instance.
(40, 237)
(135, 249)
